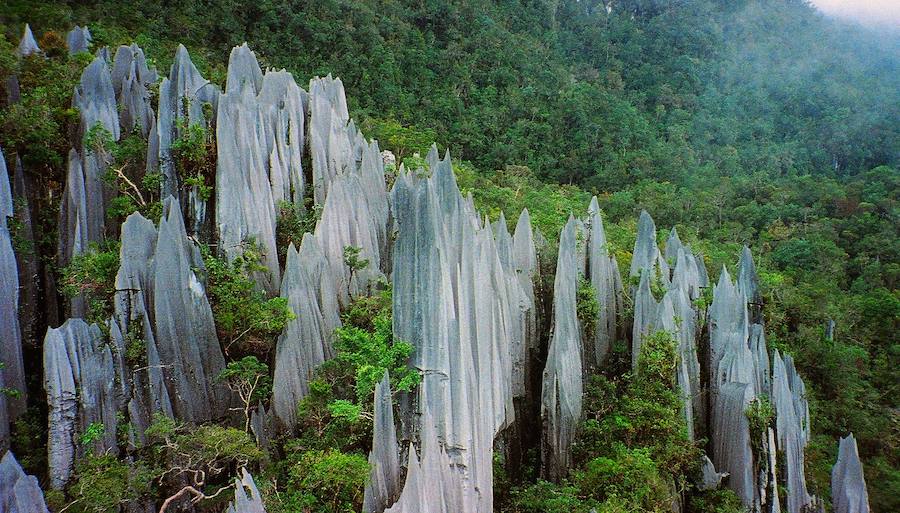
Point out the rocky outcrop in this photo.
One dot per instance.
(161, 302)
(27, 45)
(80, 380)
(247, 498)
(383, 487)
(525, 265)
(748, 283)
(561, 394)
(731, 439)
(792, 422)
(848, 485)
(307, 340)
(19, 492)
(185, 99)
(646, 256)
(131, 79)
(12, 369)
(329, 140)
(452, 301)
(260, 137)
(78, 40)
(602, 271)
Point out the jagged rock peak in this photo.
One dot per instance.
(646, 255)
(78, 40)
(243, 71)
(247, 498)
(603, 275)
(19, 492)
(12, 373)
(731, 439)
(131, 78)
(561, 393)
(27, 45)
(748, 283)
(80, 380)
(383, 487)
(792, 427)
(307, 339)
(848, 485)
(673, 246)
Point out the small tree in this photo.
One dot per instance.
(353, 261)
(249, 378)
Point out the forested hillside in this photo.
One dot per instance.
(742, 122)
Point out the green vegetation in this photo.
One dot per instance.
(194, 153)
(293, 223)
(587, 308)
(93, 275)
(760, 415)
(249, 379)
(246, 320)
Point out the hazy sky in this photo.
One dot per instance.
(869, 12)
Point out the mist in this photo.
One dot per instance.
(883, 14)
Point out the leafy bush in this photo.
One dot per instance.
(249, 379)
(93, 274)
(103, 484)
(327, 481)
(587, 308)
(242, 313)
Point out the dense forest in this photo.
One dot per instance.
(736, 122)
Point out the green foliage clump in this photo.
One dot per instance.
(249, 379)
(630, 475)
(194, 153)
(760, 414)
(242, 313)
(292, 224)
(716, 501)
(327, 481)
(104, 484)
(93, 274)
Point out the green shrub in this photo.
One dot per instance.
(630, 475)
(103, 484)
(93, 274)
(249, 379)
(327, 481)
(587, 308)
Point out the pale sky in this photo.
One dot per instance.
(869, 12)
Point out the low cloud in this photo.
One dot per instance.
(881, 13)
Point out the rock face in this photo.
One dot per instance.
(455, 303)
(603, 273)
(161, 302)
(260, 137)
(329, 139)
(848, 485)
(384, 486)
(79, 377)
(646, 255)
(19, 492)
(86, 197)
(307, 340)
(12, 373)
(131, 79)
(78, 40)
(27, 45)
(792, 420)
(247, 498)
(561, 394)
(185, 98)
(731, 439)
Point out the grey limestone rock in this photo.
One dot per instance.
(12, 373)
(19, 492)
(710, 479)
(131, 79)
(79, 377)
(848, 485)
(731, 440)
(78, 40)
(247, 498)
(307, 340)
(646, 255)
(748, 283)
(383, 487)
(27, 45)
(562, 381)
(329, 140)
(604, 277)
(792, 423)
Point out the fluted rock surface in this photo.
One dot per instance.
(158, 289)
(131, 79)
(307, 340)
(383, 487)
(731, 439)
(12, 373)
(260, 135)
(183, 97)
(646, 255)
(79, 377)
(329, 140)
(27, 45)
(19, 492)
(792, 422)
(561, 394)
(454, 301)
(848, 485)
(78, 40)
(603, 275)
(748, 283)
(247, 498)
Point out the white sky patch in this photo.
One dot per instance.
(884, 13)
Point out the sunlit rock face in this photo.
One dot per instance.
(79, 377)
(603, 273)
(131, 79)
(792, 418)
(561, 395)
(848, 485)
(19, 492)
(247, 498)
(160, 296)
(459, 306)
